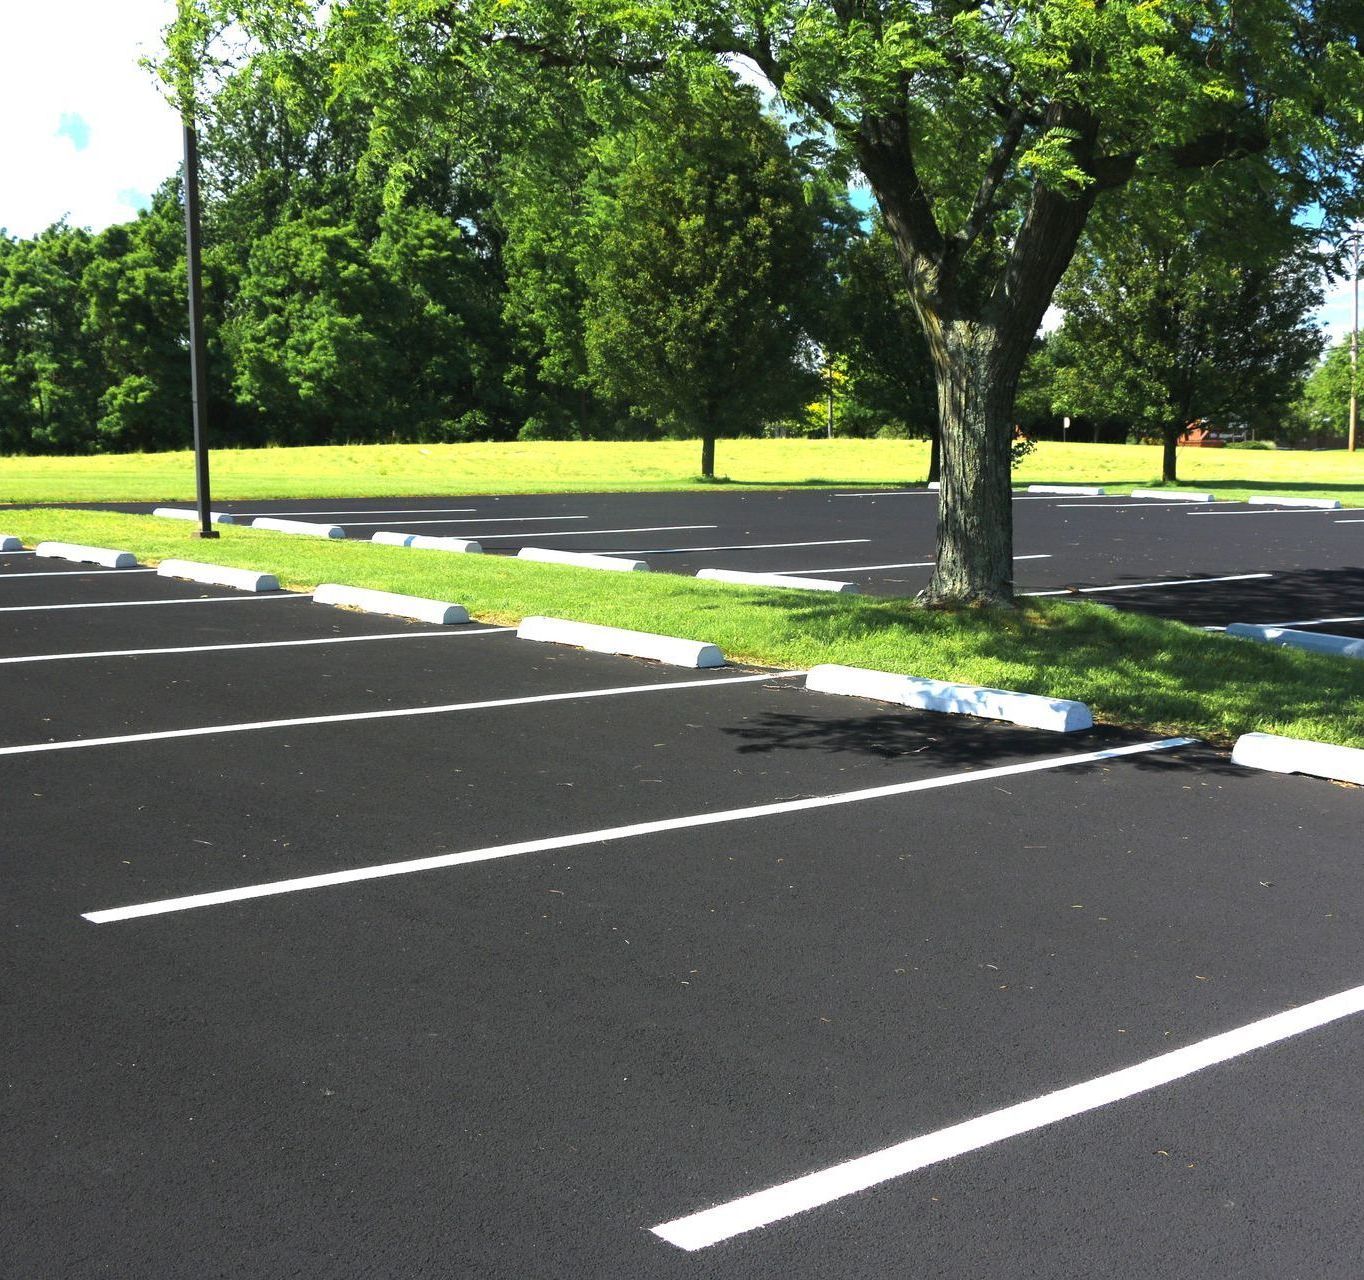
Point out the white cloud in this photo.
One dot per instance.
(73, 59)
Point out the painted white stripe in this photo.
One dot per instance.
(907, 564)
(1170, 504)
(1268, 511)
(892, 493)
(255, 644)
(583, 533)
(1311, 622)
(367, 511)
(129, 604)
(605, 834)
(738, 546)
(390, 713)
(1333, 522)
(356, 524)
(16, 553)
(1138, 586)
(724, 1221)
(72, 573)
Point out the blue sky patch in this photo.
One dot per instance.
(75, 128)
(135, 199)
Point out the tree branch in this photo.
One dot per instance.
(994, 175)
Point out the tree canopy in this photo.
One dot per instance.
(1175, 314)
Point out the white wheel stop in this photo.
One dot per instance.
(1299, 755)
(1269, 500)
(441, 612)
(777, 580)
(218, 575)
(1171, 495)
(1311, 641)
(1057, 715)
(635, 644)
(105, 556)
(583, 559)
(182, 513)
(436, 542)
(280, 525)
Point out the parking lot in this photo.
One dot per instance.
(1208, 564)
(337, 945)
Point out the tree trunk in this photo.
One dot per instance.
(1169, 456)
(977, 372)
(935, 456)
(708, 457)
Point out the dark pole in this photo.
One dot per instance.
(198, 348)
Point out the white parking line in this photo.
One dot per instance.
(368, 511)
(390, 713)
(892, 493)
(1311, 622)
(358, 524)
(583, 533)
(1138, 586)
(1155, 504)
(786, 1199)
(908, 564)
(383, 870)
(255, 644)
(128, 604)
(71, 573)
(1268, 511)
(1347, 521)
(738, 546)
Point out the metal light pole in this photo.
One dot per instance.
(1355, 247)
(198, 347)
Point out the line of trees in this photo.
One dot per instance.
(624, 273)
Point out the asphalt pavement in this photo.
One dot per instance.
(376, 949)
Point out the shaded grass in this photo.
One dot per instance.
(1131, 670)
(377, 471)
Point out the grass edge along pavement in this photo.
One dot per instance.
(1132, 670)
(412, 470)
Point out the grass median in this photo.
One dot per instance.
(1131, 670)
(411, 470)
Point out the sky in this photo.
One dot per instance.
(88, 136)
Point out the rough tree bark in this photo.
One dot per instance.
(1169, 463)
(978, 335)
(708, 456)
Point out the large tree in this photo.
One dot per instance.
(1176, 314)
(987, 133)
(702, 253)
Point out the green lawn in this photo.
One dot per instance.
(419, 470)
(1131, 670)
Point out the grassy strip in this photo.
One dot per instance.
(377, 471)
(1131, 670)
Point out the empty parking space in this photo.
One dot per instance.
(451, 954)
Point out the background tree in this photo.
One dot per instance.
(134, 291)
(1175, 313)
(1325, 404)
(701, 261)
(889, 382)
(50, 373)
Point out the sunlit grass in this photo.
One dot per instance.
(378, 471)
